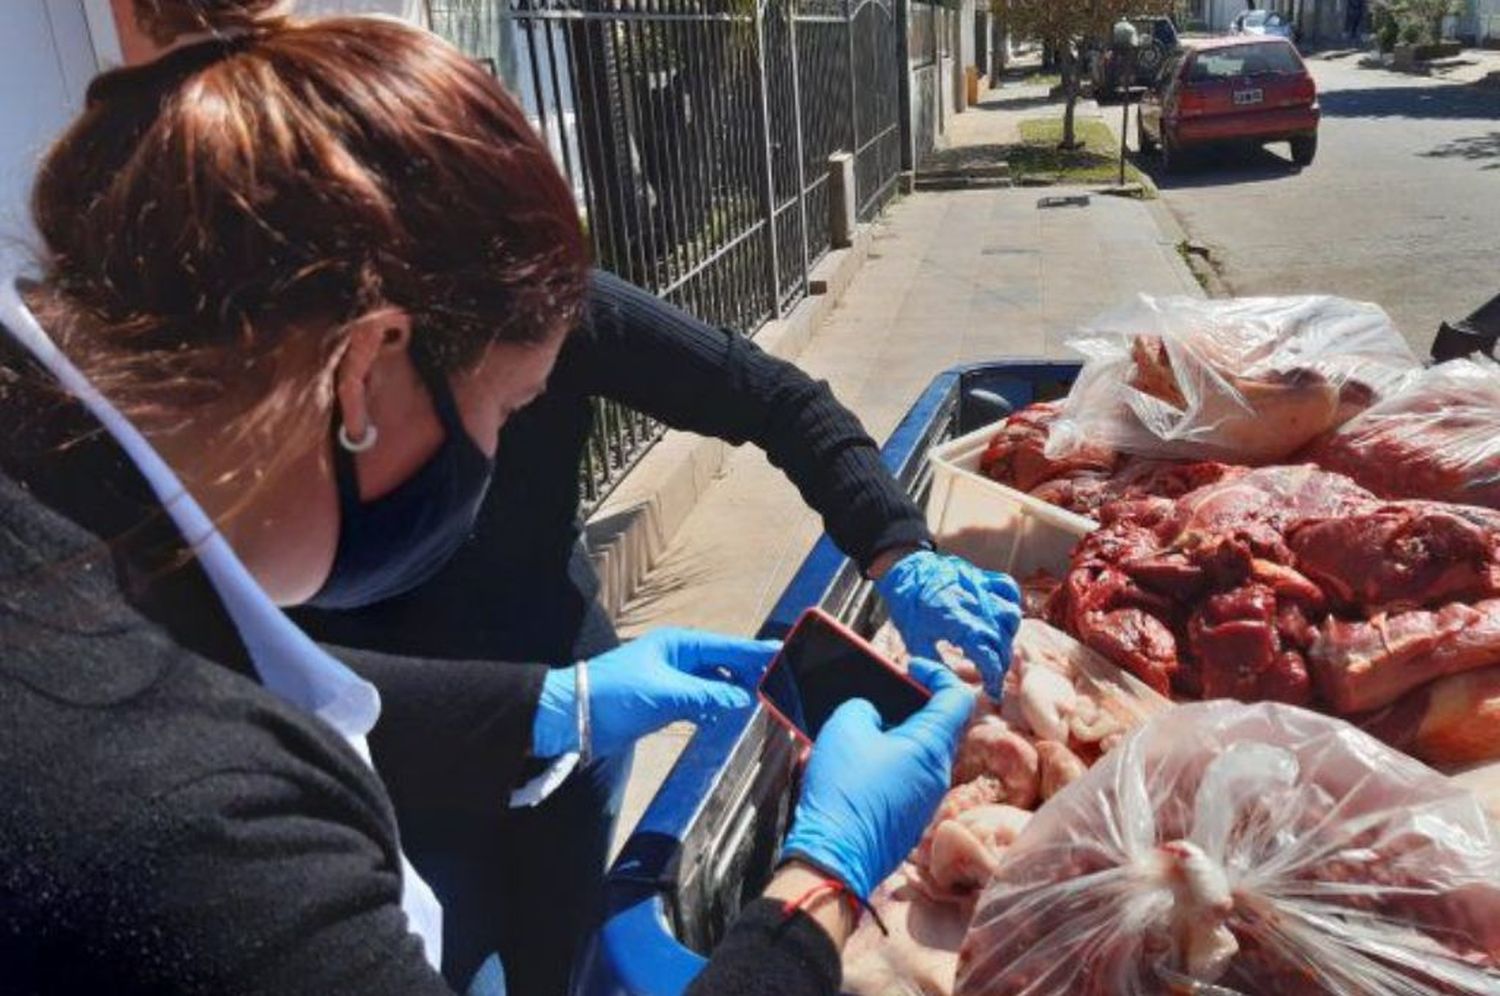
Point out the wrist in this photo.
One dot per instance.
(555, 731)
(829, 857)
(831, 908)
(888, 558)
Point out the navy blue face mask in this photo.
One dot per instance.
(394, 543)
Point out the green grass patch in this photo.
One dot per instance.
(1096, 161)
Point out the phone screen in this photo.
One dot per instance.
(821, 666)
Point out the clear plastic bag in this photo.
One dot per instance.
(1230, 849)
(1438, 438)
(1247, 380)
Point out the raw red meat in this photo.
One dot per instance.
(1450, 721)
(1250, 587)
(1367, 664)
(1401, 556)
(1014, 456)
(1089, 477)
(1438, 438)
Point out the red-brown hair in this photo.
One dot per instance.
(213, 218)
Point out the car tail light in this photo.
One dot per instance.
(1192, 103)
(1304, 91)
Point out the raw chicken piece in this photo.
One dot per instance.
(993, 750)
(1090, 724)
(1453, 720)
(1047, 701)
(966, 849)
(919, 957)
(1059, 766)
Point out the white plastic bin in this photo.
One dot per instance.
(995, 526)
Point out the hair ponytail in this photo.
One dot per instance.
(165, 21)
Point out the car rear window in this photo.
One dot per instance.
(1243, 60)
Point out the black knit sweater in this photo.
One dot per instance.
(538, 599)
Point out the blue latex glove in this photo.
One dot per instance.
(934, 596)
(639, 687)
(868, 793)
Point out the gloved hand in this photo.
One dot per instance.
(933, 596)
(868, 794)
(641, 686)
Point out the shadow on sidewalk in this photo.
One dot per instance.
(1418, 102)
(1014, 104)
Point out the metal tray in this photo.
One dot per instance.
(709, 839)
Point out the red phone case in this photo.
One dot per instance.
(818, 616)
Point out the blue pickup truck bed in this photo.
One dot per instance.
(708, 841)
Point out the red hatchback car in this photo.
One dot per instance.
(1254, 90)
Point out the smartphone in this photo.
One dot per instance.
(822, 665)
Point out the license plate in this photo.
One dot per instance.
(1249, 96)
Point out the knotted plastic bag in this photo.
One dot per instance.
(1230, 849)
(1437, 438)
(1247, 380)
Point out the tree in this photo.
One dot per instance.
(1067, 26)
(1416, 20)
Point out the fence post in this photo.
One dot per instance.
(791, 27)
(851, 14)
(768, 163)
(903, 76)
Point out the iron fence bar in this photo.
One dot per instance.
(536, 80)
(624, 15)
(636, 193)
(850, 13)
(562, 110)
(791, 27)
(698, 165)
(904, 108)
(768, 205)
(875, 138)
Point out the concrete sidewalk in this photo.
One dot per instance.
(951, 277)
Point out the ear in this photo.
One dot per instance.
(371, 337)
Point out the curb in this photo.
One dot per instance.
(1191, 256)
(630, 531)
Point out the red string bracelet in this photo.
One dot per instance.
(830, 884)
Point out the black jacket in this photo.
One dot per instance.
(171, 827)
(537, 599)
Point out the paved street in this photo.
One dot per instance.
(1402, 206)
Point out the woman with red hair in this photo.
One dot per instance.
(312, 299)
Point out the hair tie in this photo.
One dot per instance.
(173, 66)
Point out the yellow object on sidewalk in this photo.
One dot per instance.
(971, 85)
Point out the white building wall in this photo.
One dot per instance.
(46, 61)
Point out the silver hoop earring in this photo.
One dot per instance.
(362, 443)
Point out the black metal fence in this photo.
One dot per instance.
(696, 136)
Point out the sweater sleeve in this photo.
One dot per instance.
(639, 350)
(453, 736)
(259, 882)
(768, 954)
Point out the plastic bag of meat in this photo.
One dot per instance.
(1245, 849)
(1248, 380)
(1437, 438)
